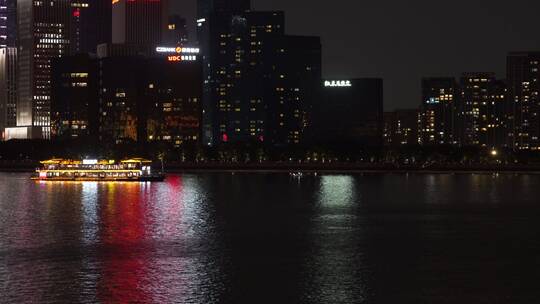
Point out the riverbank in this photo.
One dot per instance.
(349, 168)
(330, 168)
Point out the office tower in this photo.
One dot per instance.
(90, 25)
(480, 110)
(401, 127)
(174, 93)
(74, 103)
(438, 111)
(8, 88)
(214, 19)
(240, 76)
(147, 99)
(43, 29)
(349, 113)
(175, 32)
(523, 109)
(138, 22)
(259, 82)
(8, 23)
(129, 98)
(206, 8)
(294, 77)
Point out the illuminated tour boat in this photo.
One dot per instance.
(136, 169)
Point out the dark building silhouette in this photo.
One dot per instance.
(150, 99)
(480, 110)
(401, 127)
(523, 107)
(91, 25)
(206, 8)
(176, 32)
(128, 98)
(294, 72)
(214, 19)
(43, 34)
(241, 76)
(74, 103)
(437, 113)
(349, 113)
(138, 22)
(259, 82)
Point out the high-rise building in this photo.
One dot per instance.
(8, 88)
(401, 127)
(206, 8)
(8, 23)
(292, 87)
(349, 113)
(74, 102)
(176, 32)
(259, 82)
(523, 107)
(138, 22)
(90, 25)
(241, 76)
(128, 97)
(480, 110)
(147, 99)
(214, 19)
(44, 33)
(437, 114)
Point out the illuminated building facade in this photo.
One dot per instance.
(480, 111)
(8, 88)
(150, 99)
(350, 113)
(401, 127)
(129, 98)
(259, 82)
(437, 112)
(8, 23)
(138, 22)
(174, 92)
(241, 76)
(523, 110)
(74, 103)
(43, 28)
(214, 18)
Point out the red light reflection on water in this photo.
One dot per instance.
(125, 258)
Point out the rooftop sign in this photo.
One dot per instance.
(174, 58)
(337, 83)
(177, 50)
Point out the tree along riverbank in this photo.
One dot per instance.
(335, 167)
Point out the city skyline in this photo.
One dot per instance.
(398, 48)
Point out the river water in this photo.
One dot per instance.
(271, 238)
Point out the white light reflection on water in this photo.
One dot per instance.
(334, 264)
(90, 223)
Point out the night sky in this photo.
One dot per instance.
(402, 41)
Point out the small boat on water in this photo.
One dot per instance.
(135, 169)
(296, 174)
